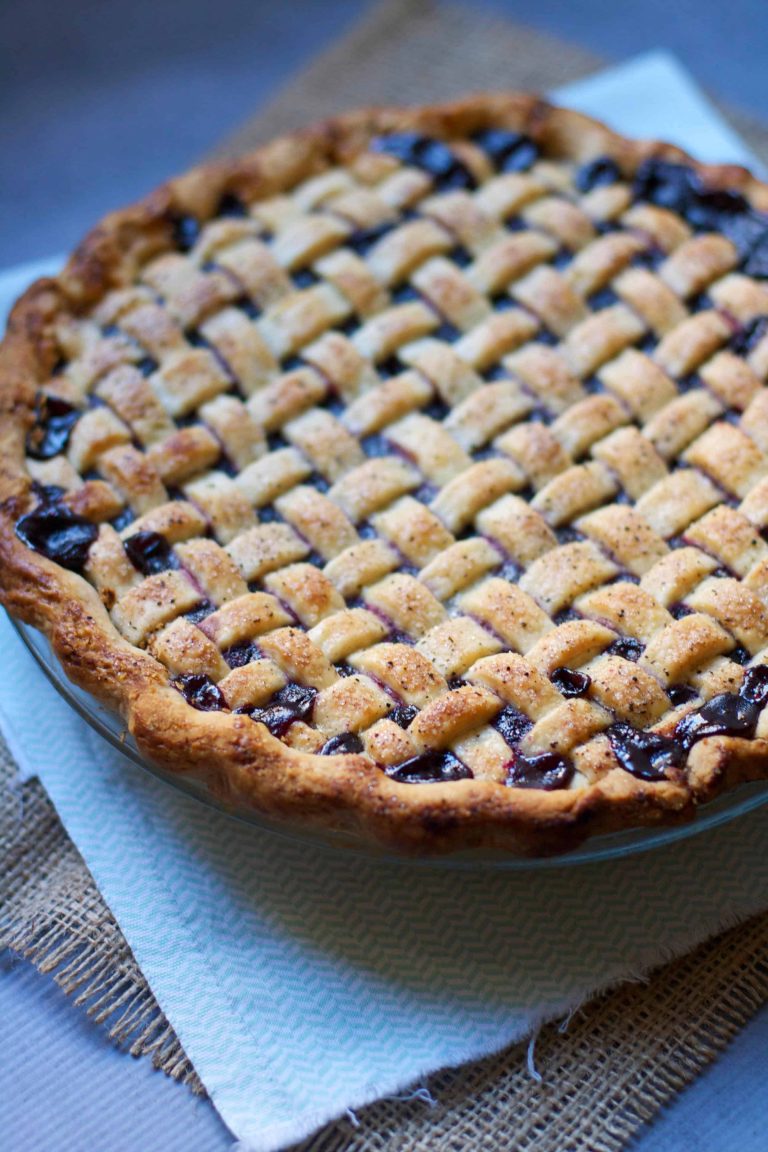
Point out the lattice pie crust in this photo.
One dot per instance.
(409, 476)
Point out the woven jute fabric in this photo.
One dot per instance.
(620, 1058)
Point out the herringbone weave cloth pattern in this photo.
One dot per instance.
(630, 1050)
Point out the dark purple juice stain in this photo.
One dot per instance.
(55, 531)
(150, 553)
(626, 647)
(569, 682)
(201, 692)
(647, 755)
(346, 743)
(509, 151)
(597, 173)
(724, 715)
(547, 771)
(54, 421)
(512, 725)
(429, 768)
(754, 686)
(748, 337)
(241, 654)
(186, 230)
(294, 702)
(430, 155)
(403, 714)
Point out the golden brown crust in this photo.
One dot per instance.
(235, 757)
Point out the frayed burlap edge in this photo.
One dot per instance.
(628, 1052)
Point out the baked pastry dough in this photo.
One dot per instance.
(409, 476)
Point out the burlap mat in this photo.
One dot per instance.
(622, 1056)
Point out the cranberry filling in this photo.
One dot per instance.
(569, 682)
(150, 552)
(344, 743)
(55, 419)
(597, 173)
(58, 533)
(432, 156)
(547, 771)
(201, 692)
(646, 755)
(294, 702)
(509, 151)
(723, 715)
(429, 768)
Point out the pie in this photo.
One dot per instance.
(409, 476)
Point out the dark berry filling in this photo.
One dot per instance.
(200, 613)
(403, 714)
(512, 725)
(294, 702)
(432, 156)
(54, 420)
(723, 715)
(345, 743)
(509, 151)
(429, 768)
(681, 694)
(626, 647)
(569, 682)
(364, 238)
(547, 771)
(201, 692)
(754, 686)
(646, 755)
(231, 205)
(150, 552)
(747, 338)
(241, 654)
(597, 173)
(55, 531)
(186, 230)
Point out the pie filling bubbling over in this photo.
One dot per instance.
(453, 457)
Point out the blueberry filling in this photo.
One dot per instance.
(512, 725)
(723, 715)
(432, 156)
(54, 420)
(403, 714)
(754, 686)
(55, 531)
(231, 205)
(626, 647)
(681, 694)
(429, 768)
(345, 743)
(747, 339)
(201, 692)
(364, 238)
(186, 230)
(200, 613)
(547, 771)
(304, 278)
(241, 654)
(123, 519)
(150, 552)
(597, 173)
(570, 683)
(646, 755)
(509, 151)
(147, 365)
(294, 702)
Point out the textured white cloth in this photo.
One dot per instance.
(303, 983)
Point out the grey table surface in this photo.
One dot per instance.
(79, 84)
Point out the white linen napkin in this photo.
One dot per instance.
(303, 983)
